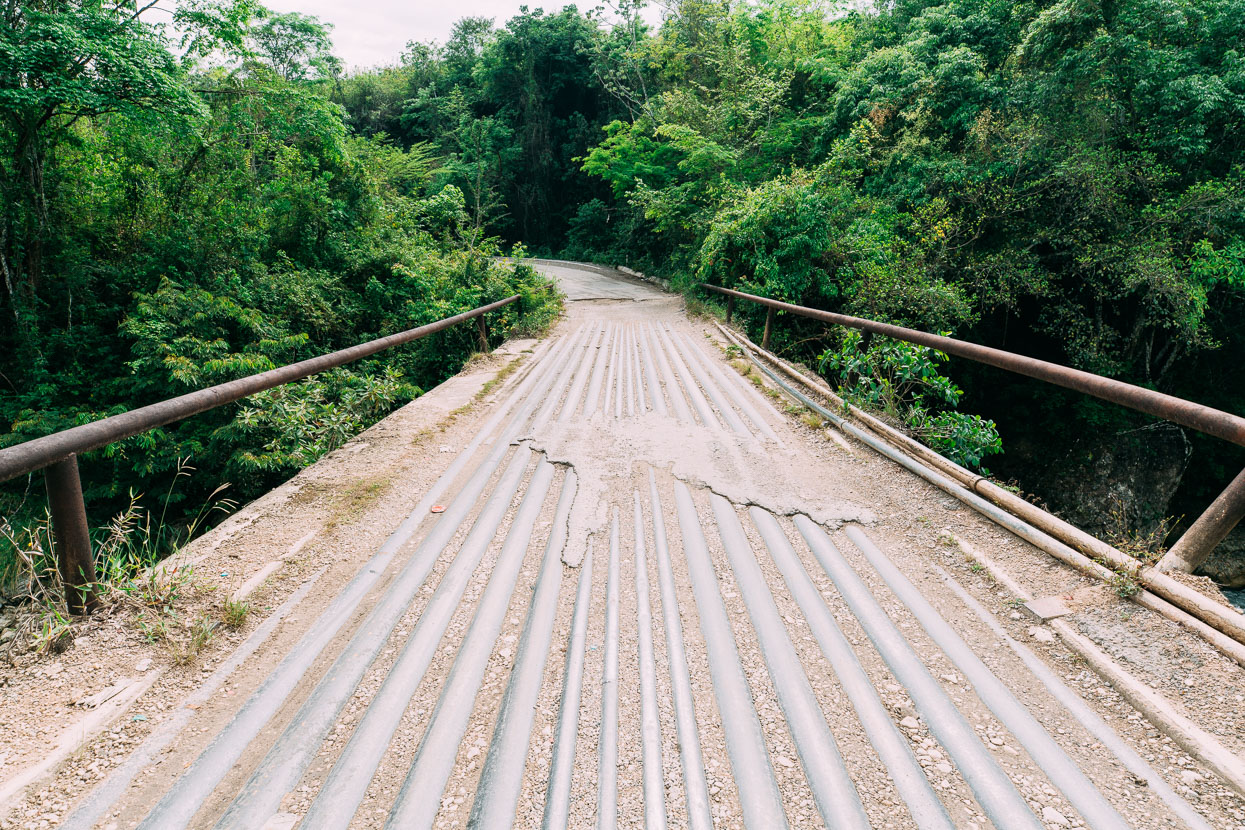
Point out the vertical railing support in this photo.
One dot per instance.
(730, 308)
(482, 331)
(1211, 528)
(73, 540)
(769, 325)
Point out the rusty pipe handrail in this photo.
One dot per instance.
(57, 454)
(1202, 537)
(38, 453)
(1204, 419)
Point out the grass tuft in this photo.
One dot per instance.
(234, 613)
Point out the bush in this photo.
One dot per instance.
(901, 380)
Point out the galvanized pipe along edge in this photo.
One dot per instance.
(38, 453)
(1193, 610)
(1220, 625)
(1204, 419)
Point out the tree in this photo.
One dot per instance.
(297, 46)
(63, 61)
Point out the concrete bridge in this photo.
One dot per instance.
(617, 578)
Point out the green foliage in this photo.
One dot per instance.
(297, 46)
(507, 109)
(296, 424)
(171, 223)
(901, 380)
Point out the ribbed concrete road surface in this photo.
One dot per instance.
(653, 599)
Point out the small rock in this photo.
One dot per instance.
(1042, 635)
(1190, 777)
(1052, 816)
(7, 634)
(143, 664)
(910, 723)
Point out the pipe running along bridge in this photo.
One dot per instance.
(634, 582)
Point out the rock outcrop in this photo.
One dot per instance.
(1120, 481)
(1226, 566)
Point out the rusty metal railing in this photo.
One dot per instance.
(1203, 535)
(57, 454)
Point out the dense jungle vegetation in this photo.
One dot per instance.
(178, 214)
(1062, 179)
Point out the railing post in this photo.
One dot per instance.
(73, 541)
(1211, 528)
(730, 308)
(769, 325)
(482, 330)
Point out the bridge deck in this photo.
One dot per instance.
(652, 599)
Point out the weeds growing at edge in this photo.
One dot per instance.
(700, 310)
(1124, 584)
(126, 550)
(1144, 546)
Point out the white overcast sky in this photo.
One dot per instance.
(374, 32)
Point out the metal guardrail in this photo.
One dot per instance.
(57, 454)
(1203, 535)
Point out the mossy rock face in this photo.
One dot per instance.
(1226, 566)
(1118, 482)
